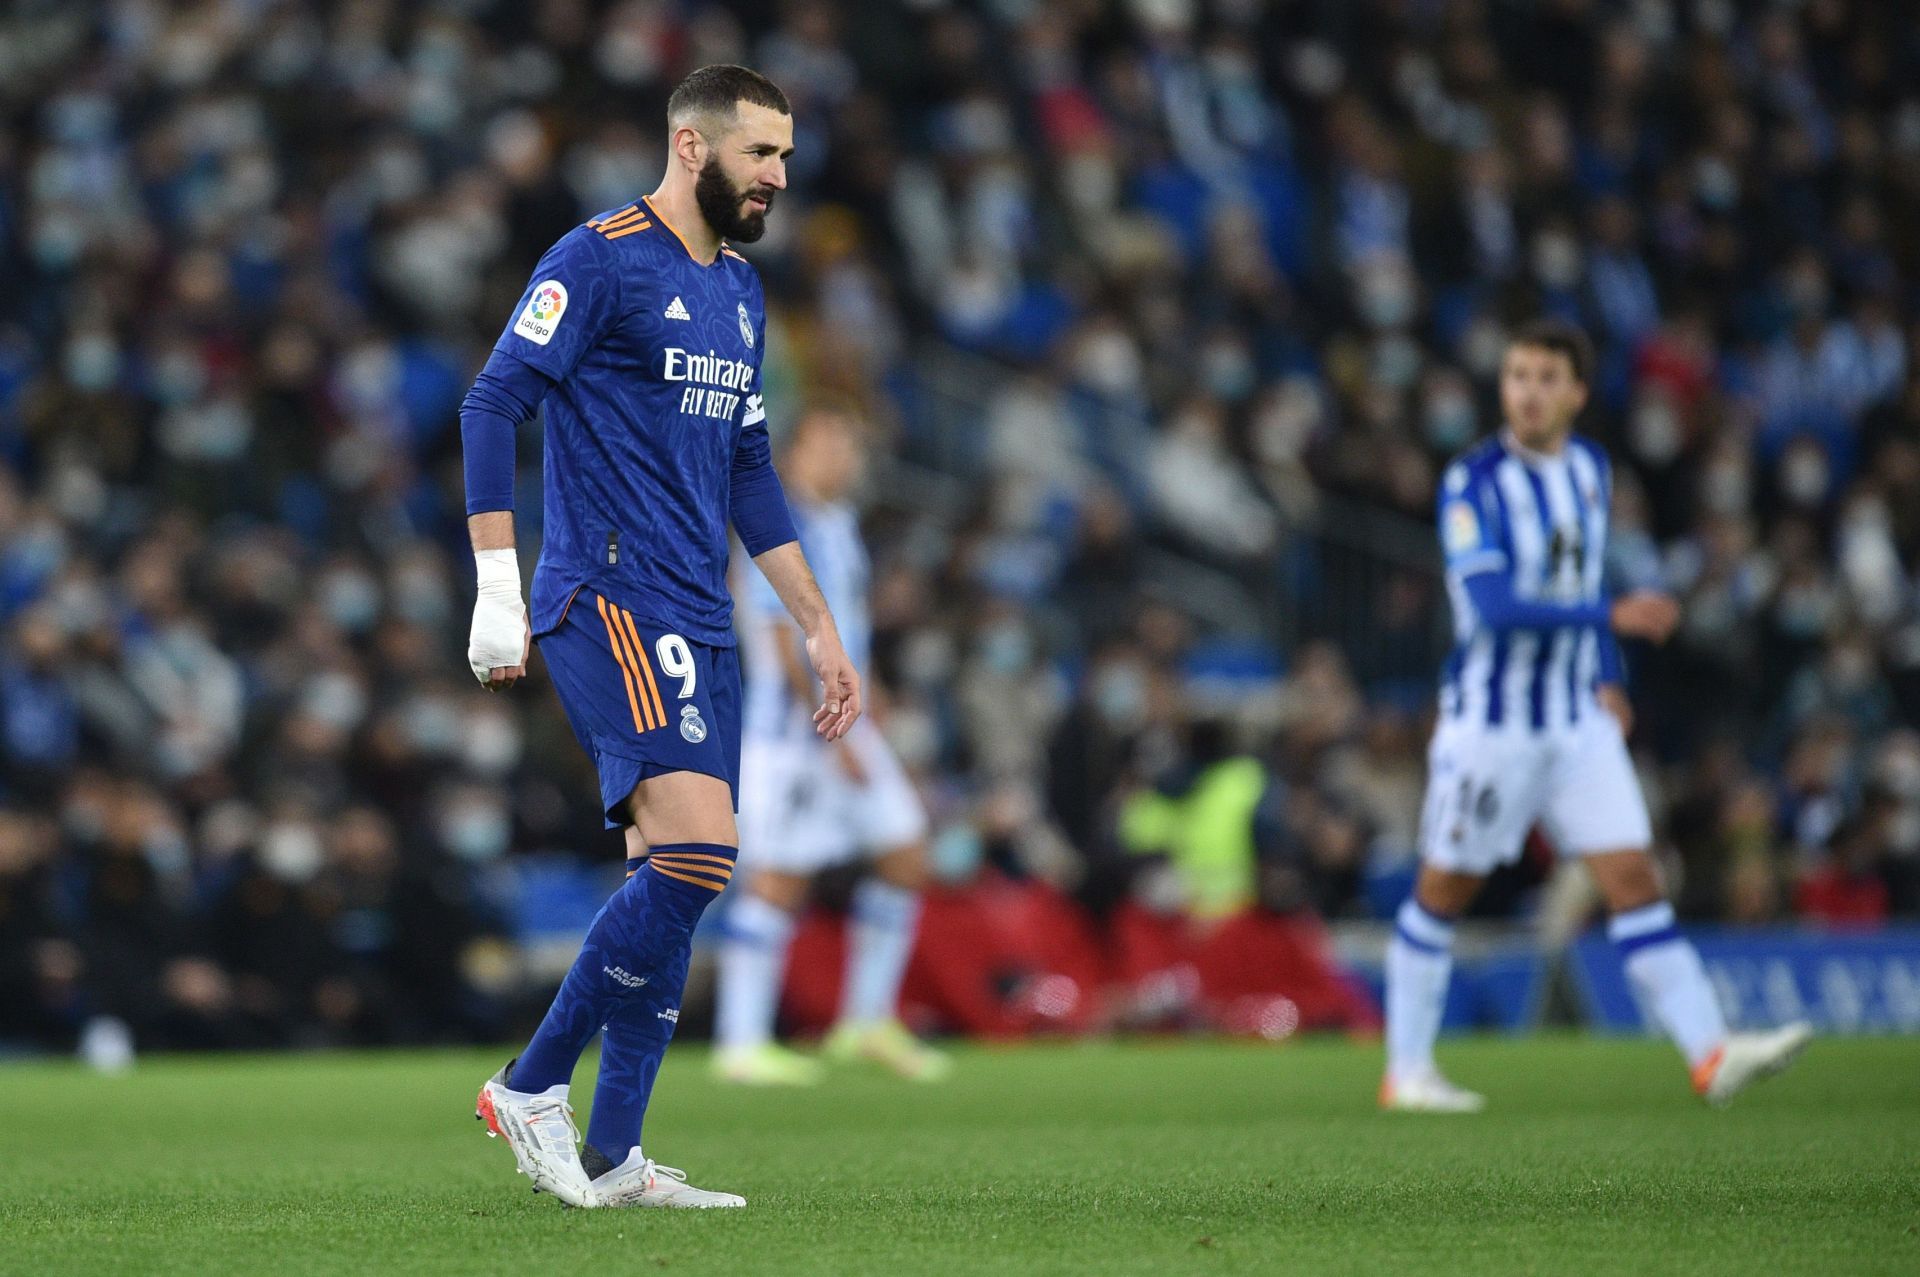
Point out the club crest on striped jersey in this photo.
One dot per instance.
(543, 312)
(1462, 527)
(746, 326)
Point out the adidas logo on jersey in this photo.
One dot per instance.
(677, 310)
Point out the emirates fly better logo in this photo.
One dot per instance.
(543, 311)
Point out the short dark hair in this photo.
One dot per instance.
(1562, 338)
(718, 89)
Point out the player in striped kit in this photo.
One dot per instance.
(1532, 728)
(807, 805)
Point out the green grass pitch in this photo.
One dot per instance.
(1177, 1157)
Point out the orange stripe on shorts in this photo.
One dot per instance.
(646, 666)
(626, 673)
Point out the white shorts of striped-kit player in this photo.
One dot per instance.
(801, 813)
(1487, 786)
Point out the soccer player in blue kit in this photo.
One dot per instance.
(642, 333)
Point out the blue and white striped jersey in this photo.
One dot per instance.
(1541, 522)
(830, 538)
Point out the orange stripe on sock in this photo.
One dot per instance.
(718, 884)
(724, 874)
(697, 868)
(646, 666)
(716, 888)
(633, 701)
(694, 855)
(680, 860)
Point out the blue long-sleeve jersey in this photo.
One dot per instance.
(648, 364)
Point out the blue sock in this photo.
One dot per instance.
(636, 937)
(631, 1048)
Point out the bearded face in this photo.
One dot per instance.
(738, 213)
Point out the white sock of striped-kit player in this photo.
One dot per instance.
(753, 959)
(1419, 966)
(1660, 963)
(880, 940)
(1665, 970)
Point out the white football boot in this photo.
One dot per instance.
(1427, 1093)
(768, 1064)
(1746, 1058)
(641, 1181)
(540, 1131)
(892, 1046)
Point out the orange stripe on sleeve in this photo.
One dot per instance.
(633, 701)
(626, 230)
(614, 219)
(646, 665)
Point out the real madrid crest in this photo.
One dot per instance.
(691, 725)
(746, 326)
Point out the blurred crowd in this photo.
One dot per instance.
(1165, 314)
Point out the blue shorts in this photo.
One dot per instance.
(642, 700)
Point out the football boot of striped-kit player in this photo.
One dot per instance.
(1428, 1093)
(1746, 1058)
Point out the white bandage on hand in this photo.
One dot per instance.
(499, 635)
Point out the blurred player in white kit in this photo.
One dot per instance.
(807, 806)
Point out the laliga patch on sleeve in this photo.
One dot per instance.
(543, 311)
(1460, 529)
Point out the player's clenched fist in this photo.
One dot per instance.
(1646, 614)
(498, 643)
